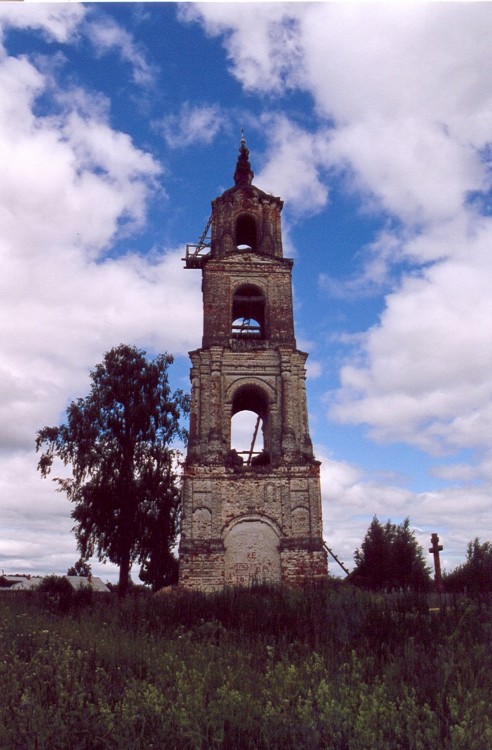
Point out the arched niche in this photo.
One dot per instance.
(248, 312)
(300, 522)
(251, 553)
(202, 523)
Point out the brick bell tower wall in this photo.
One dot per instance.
(253, 516)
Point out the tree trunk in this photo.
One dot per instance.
(124, 574)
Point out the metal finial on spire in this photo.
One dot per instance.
(243, 174)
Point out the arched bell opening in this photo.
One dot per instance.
(246, 235)
(250, 427)
(246, 328)
(248, 313)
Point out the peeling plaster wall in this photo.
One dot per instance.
(274, 515)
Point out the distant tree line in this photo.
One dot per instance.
(475, 575)
(390, 558)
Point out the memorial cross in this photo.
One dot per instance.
(435, 549)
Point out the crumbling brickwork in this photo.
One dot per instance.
(256, 516)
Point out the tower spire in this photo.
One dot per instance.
(244, 174)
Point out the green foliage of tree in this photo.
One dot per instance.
(475, 575)
(390, 558)
(81, 568)
(118, 442)
(161, 569)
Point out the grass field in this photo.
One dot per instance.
(326, 667)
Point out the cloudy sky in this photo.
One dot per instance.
(119, 123)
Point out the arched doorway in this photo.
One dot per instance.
(251, 553)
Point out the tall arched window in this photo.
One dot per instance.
(248, 313)
(246, 232)
(250, 426)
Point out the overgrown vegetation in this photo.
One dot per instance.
(327, 667)
(475, 575)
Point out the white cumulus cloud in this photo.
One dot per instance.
(193, 124)
(72, 185)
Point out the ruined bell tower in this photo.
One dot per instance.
(251, 512)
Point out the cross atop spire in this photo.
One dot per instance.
(244, 174)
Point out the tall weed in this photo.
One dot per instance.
(326, 668)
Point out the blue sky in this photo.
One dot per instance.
(119, 123)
